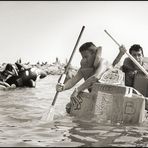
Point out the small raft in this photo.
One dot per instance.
(6, 86)
(26, 78)
(109, 101)
(2, 87)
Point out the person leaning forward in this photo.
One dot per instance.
(91, 69)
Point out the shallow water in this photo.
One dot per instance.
(21, 125)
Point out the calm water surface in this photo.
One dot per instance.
(21, 126)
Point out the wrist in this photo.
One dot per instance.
(122, 52)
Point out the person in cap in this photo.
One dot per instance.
(91, 69)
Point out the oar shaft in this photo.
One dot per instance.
(141, 67)
(66, 69)
(74, 49)
(112, 38)
(53, 102)
(130, 56)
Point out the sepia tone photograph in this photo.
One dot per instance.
(73, 74)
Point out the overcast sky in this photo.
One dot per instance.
(43, 30)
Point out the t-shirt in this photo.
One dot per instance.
(130, 66)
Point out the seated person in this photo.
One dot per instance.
(26, 77)
(129, 67)
(131, 70)
(9, 70)
(7, 73)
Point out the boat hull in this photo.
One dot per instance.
(84, 106)
(114, 103)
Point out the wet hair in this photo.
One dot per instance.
(86, 46)
(136, 47)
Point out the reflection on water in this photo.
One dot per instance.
(20, 125)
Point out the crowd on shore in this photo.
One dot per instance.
(55, 68)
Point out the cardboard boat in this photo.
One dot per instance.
(112, 102)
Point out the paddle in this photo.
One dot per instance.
(49, 114)
(130, 56)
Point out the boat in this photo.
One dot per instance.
(110, 101)
(2, 86)
(26, 78)
(6, 86)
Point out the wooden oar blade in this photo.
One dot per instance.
(49, 114)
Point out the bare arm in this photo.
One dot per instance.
(15, 71)
(119, 56)
(4, 84)
(102, 67)
(74, 80)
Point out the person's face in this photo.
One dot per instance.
(88, 58)
(138, 56)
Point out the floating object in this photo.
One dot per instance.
(112, 102)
